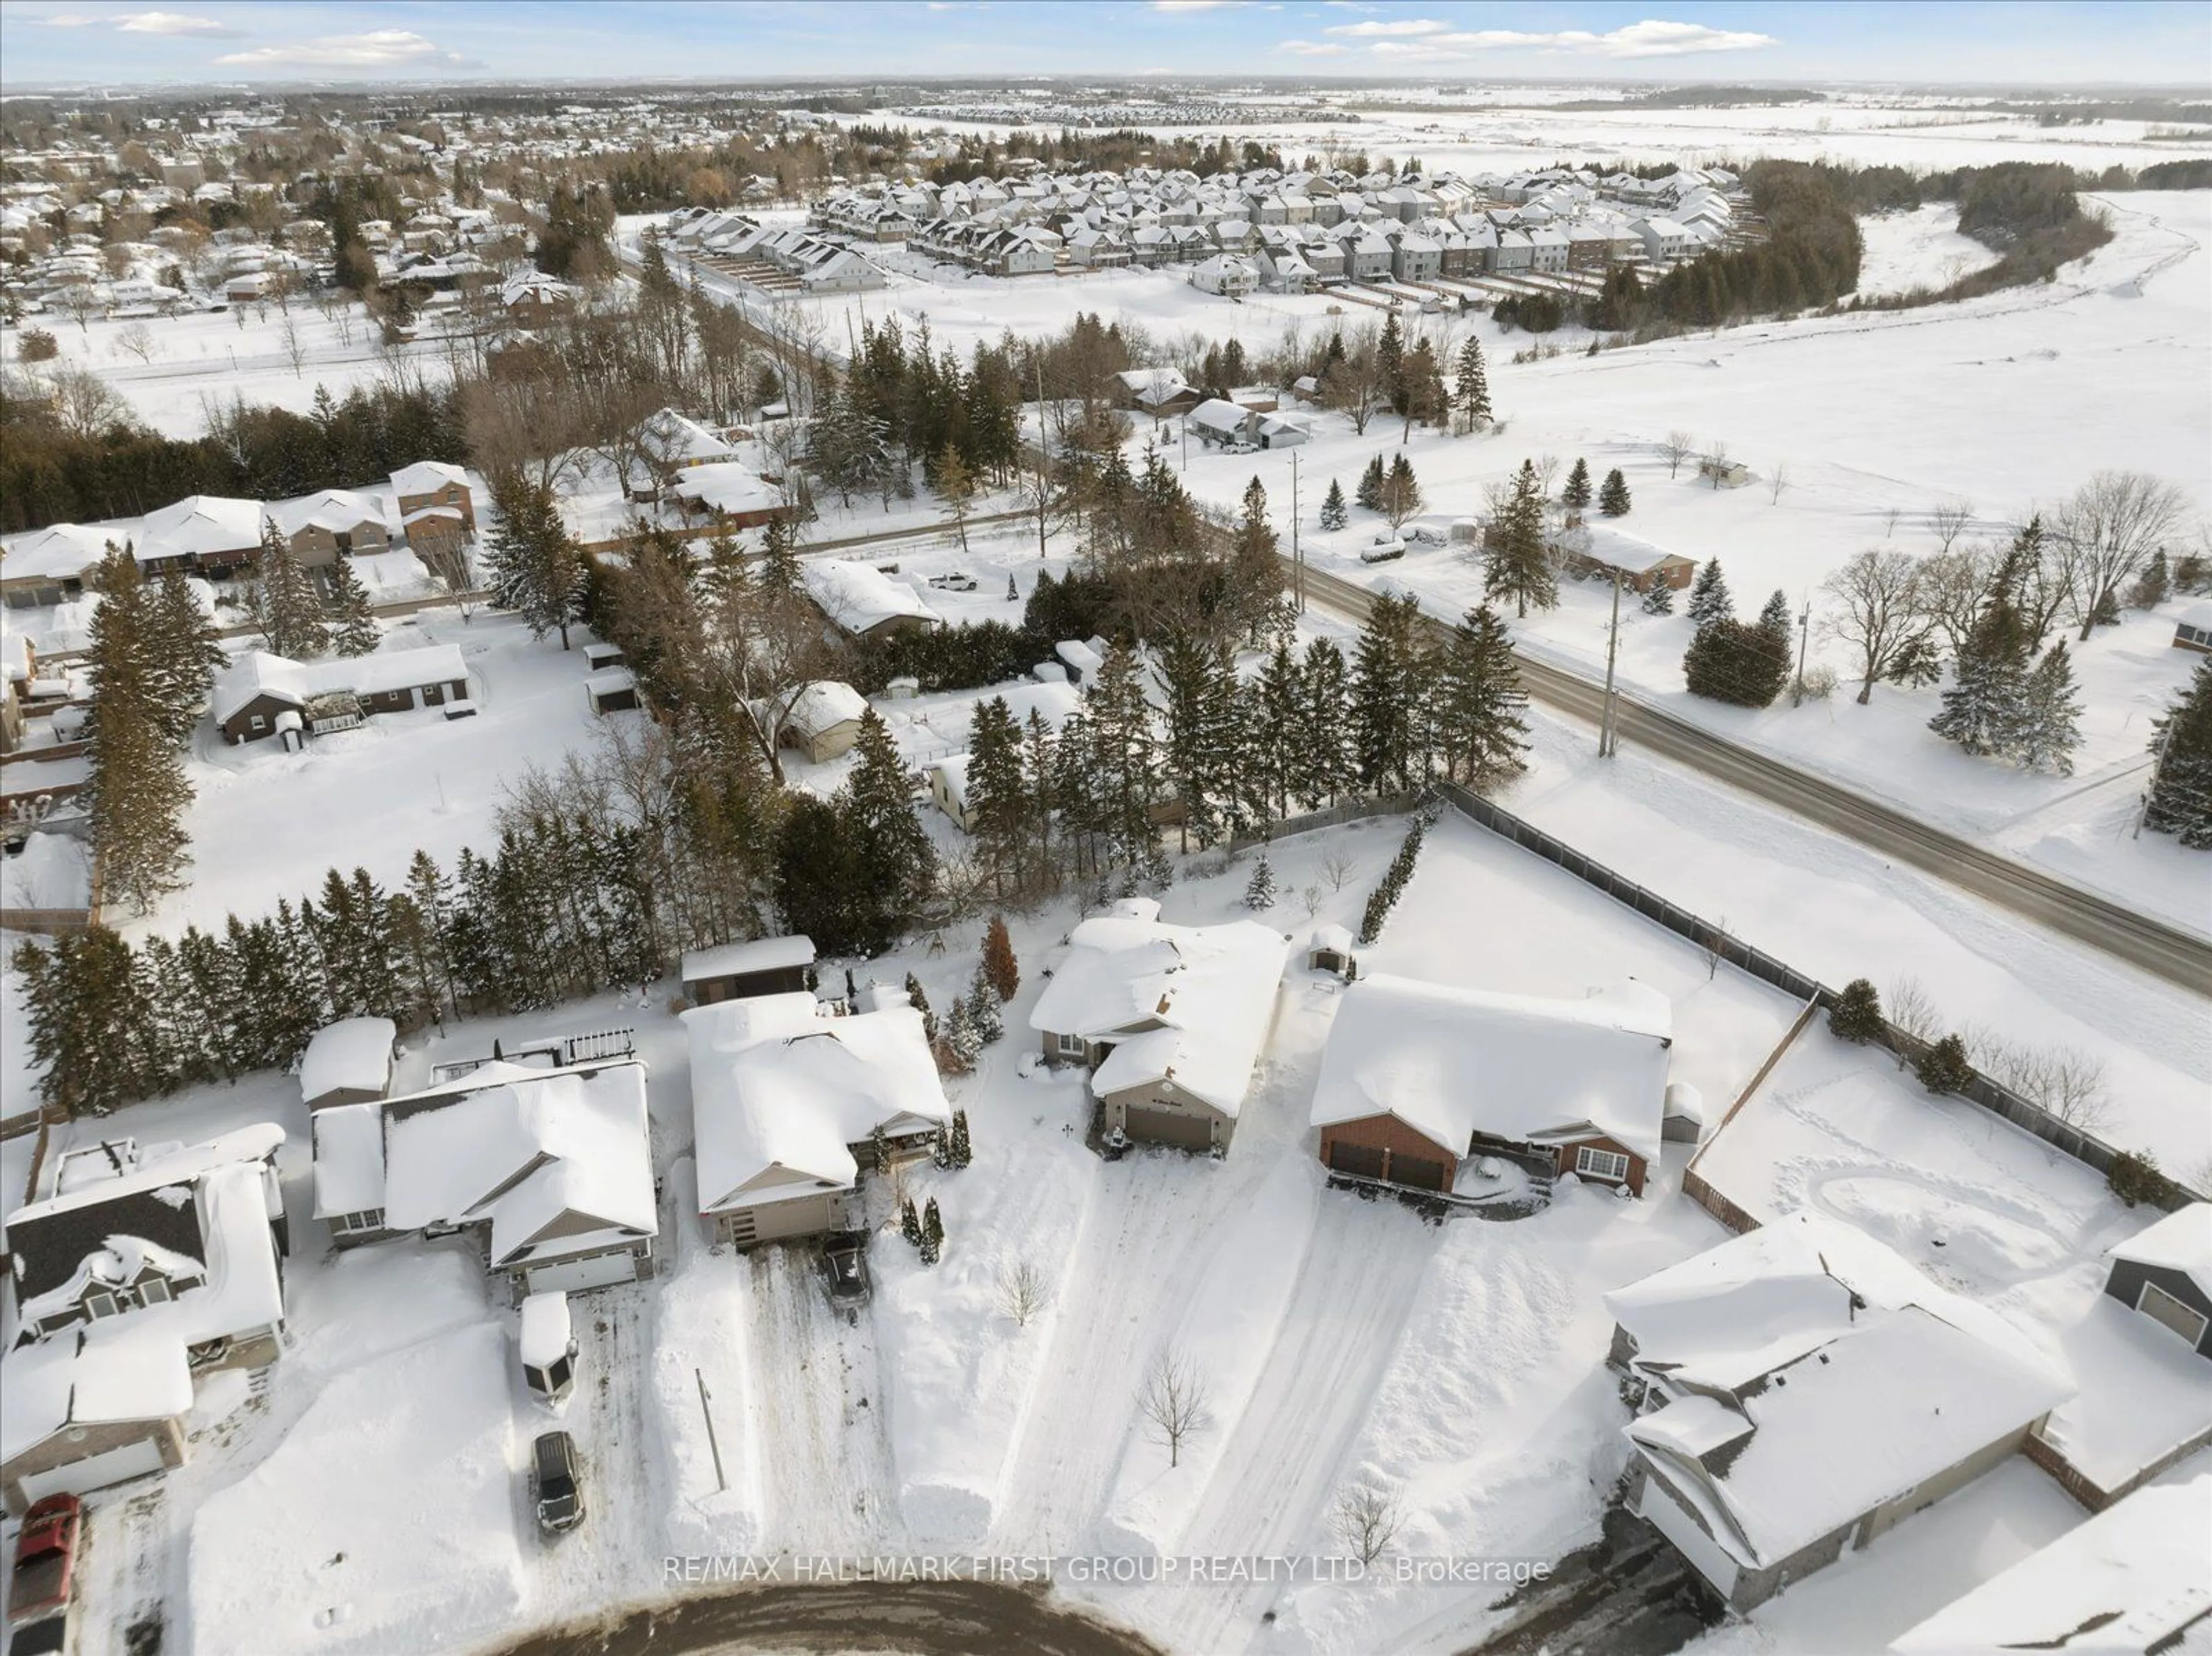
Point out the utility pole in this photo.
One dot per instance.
(1297, 561)
(1186, 442)
(1609, 723)
(1804, 634)
(1041, 456)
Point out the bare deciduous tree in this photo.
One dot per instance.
(1173, 1401)
(1712, 944)
(86, 405)
(1882, 614)
(2067, 1083)
(1337, 868)
(1780, 482)
(1955, 584)
(1022, 1293)
(2106, 532)
(136, 340)
(1310, 895)
(1679, 446)
(1950, 519)
(1889, 522)
(1366, 1520)
(1912, 1011)
(1714, 462)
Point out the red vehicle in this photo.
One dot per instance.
(45, 1561)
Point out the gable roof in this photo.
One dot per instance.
(2181, 1242)
(426, 477)
(257, 673)
(1450, 1063)
(860, 597)
(197, 524)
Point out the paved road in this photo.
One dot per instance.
(928, 1618)
(2162, 950)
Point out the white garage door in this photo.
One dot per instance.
(595, 1271)
(95, 1471)
(1704, 1553)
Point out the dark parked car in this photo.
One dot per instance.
(556, 1482)
(54, 1636)
(845, 1265)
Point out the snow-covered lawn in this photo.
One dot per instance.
(1921, 248)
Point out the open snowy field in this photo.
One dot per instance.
(203, 358)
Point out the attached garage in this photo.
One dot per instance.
(1705, 1555)
(1156, 1127)
(1420, 1172)
(97, 1471)
(1383, 1147)
(1360, 1161)
(590, 1271)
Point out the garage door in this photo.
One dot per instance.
(571, 1275)
(95, 1471)
(1357, 1160)
(1705, 1554)
(1419, 1171)
(2159, 1306)
(1192, 1132)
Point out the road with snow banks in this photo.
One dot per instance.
(926, 1618)
(2149, 945)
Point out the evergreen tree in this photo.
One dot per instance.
(1709, 595)
(1478, 703)
(1660, 600)
(961, 1037)
(184, 654)
(1576, 496)
(1001, 811)
(354, 631)
(998, 966)
(1401, 495)
(1471, 392)
(1259, 891)
(963, 1149)
(1390, 362)
(1518, 564)
(1332, 507)
(1196, 754)
(893, 861)
(1326, 756)
(941, 1146)
(2193, 575)
(1387, 693)
(2051, 725)
(933, 1233)
(284, 603)
(1985, 709)
(1424, 396)
(1369, 491)
(1612, 499)
(920, 1001)
(1856, 1015)
(1115, 765)
(137, 791)
(2180, 801)
(1730, 661)
(909, 1223)
(1270, 763)
(985, 1016)
(2155, 585)
(1944, 1067)
(535, 566)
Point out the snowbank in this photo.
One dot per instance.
(334, 1543)
(50, 872)
(1227, 1333)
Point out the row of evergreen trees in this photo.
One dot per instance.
(1746, 663)
(2003, 702)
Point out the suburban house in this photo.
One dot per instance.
(669, 442)
(49, 565)
(429, 485)
(1417, 1077)
(1801, 1390)
(727, 494)
(1169, 1019)
(331, 523)
(141, 1272)
(1601, 549)
(549, 1170)
(743, 971)
(201, 534)
(786, 1105)
(1156, 391)
(260, 695)
(824, 720)
(1218, 421)
(2132, 1580)
(2192, 629)
(2164, 1271)
(861, 600)
(349, 1062)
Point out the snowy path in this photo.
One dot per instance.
(827, 1476)
(1287, 1452)
(1124, 1287)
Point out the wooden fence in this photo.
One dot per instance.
(2090, 1493)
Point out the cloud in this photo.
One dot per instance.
(1312, 48)
(1650, 39)
(1400, 26)
(68, 20)
(389, 48)
(170, 23)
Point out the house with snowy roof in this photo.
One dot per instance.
(549, 1170)
(202, 534)
(330, 523)
(824, 720)
(2164, 1271)
(786, 1105)
(863, 602)
(1803, 1389)
(1418, 1076)
(262, 695)
(129, 1282)
(434, 486)
(2130, 1582)
(1171, 1020)
(1599, 548)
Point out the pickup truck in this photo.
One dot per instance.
(41, 1592)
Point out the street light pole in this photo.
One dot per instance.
(1297, 562)
(1804, 634)
(1608, 724)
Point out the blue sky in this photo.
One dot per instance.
(2159, 41)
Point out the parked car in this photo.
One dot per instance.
(1382, 549)
(55, 1636)
(1428, 535)
(845, 1269)
(954, 580)
(44, 1578)
(556, 1482)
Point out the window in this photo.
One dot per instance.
(1071, 1045)
(558, 1376)
(1602, 1164)
(348, 1224)
(257, 723)
(2161, 1306)
(99, 1304)
(154, 1291)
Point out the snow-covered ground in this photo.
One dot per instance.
(1921, 248)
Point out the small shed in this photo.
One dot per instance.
(549, 1347)
(1331, 950)
(824, 721)
(599, 657)
(1683, 1120)
(614, 691)
(2192, 629)
(740, 971)
(1050, 672)
(349, 1062)
(1724, 473)
(2164, 1271)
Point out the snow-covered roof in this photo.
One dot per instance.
(730, 960)
(859, 596)
(426, 477)
(257, 673)
(58, 552)
(1219, 414)
(780, 1093)
(198, 525)
(824, 705)
(1452, 1063)
(2132, 1577)
(115, 1370)
(1818, 1375)
(1190, 1004)
(354, 1054)
(1601, 543)
(340, 511)
(1335, 938)
(725, 486)
(546, 1330)
(2181, 1242)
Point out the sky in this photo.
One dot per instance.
(2049, 42)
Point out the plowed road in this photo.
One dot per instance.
(2150, 945)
